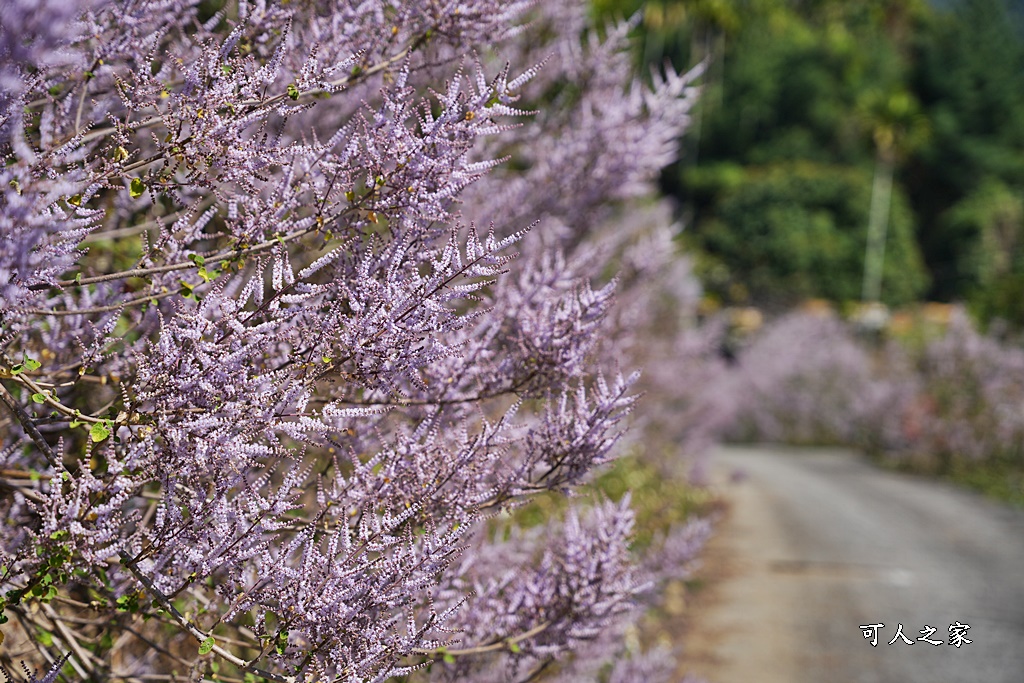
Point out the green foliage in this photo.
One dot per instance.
(207, 645)
(790, 231)
(660, 502)
(99, 431)
(137, 188)
(934, 89)
(970, 77)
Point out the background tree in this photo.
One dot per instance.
(969, 79)
(822, 83)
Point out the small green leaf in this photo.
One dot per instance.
(208, 275)
(137, 188)
(98, 432)
(46, 639)
(120, 154)
(207, 645)
(282, 642)
(39, 398)
(514, 647)
(293, 92)
(449, 659)
(32, 364)
(17, 369)
(196, 259)
(76, 200)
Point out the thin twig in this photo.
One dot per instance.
(200, 636)
(503, 644)
(29, 427)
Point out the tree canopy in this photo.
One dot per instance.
(808, 104)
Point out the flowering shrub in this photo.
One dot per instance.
(952, 405)
(971, 403)
(807, 379)
(269, 361)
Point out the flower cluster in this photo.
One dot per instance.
(270, 362)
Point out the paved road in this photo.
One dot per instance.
(817, 543)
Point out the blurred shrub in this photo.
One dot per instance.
(989, 223)
(807, 380)
(949, 404)
(971, 406)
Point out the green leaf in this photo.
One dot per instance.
(208, 275)
(39, 398)
(17, 369)
(207, 645)
(98, 432)
(32, 364)
(282, 642)
(293, 92)
(137, 188)
(76, 200)
(514, 647)
(449, 659)
(46, 639)
(196, 259)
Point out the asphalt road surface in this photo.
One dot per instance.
(817, 543)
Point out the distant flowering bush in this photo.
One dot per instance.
(970, 408)
(807, 379)
(953, 402)
(271, 369)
